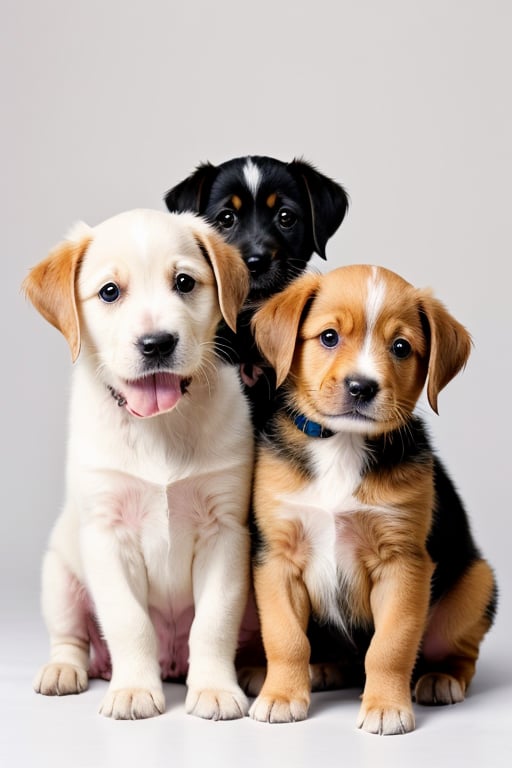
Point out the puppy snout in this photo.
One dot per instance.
(361, 388)
(258, 263)
(157, 346)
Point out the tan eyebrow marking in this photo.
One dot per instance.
(237, 203)
(271, 200)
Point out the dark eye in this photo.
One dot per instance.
(226, 218)
(329, 338)
(109, 293)
(401, 348)
(184, 283)
(286, 218)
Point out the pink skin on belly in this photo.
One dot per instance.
(434, 646)
(172, 633)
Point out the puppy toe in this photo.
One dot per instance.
(61, 680)
(276, 709)
(437, 689)
(251, 679)
(386, 721)
(132, 704)
(216, 705)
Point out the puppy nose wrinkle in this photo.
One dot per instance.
(158, 345)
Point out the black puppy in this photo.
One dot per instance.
(277, 214)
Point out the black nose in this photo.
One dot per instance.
(258, 263)
(361, 388)
(157, 346)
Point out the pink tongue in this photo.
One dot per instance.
(152, 394)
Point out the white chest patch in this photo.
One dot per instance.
(252, 176)
(321, 507)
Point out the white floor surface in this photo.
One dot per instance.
(68, 732)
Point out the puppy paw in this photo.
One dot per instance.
(278, 709)
(133, 704)
(439, 689)
(60, 680)
(251, 679)
(213, 704)
(328, 677)
(386, 721)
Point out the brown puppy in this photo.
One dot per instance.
(357, 522)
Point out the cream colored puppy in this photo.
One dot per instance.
(146, 574)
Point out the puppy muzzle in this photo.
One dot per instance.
(157, 389)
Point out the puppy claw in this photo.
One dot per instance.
(133, 704)
(386, 721)
(216, 705)
(61, 680)
(274, 709)
(438, 689)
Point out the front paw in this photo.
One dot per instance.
(212, 704)
(280, 709)
(436, 689)
(60, 679)
(385, 721)
(133, 704)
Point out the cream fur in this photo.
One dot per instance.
(154, 522)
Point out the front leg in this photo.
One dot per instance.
(65, 611)
(117, 580)
(220, 582)
(399, 601)
(284, 607)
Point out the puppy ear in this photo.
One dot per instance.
(328, 202)
(231, 274)
(449, 345)
(192, 193)
(276, 324)
(50, 286)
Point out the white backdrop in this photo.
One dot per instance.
(106, 104)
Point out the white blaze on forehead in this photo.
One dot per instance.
(375, 297)
(252, 176)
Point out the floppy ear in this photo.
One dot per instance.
(231, 273)
(276, 324)
(449, 345)
(192, 193)
(328, 202)
(50, 286)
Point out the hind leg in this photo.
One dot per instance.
(64, 605)
(456, 627)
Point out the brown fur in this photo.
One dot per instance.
(387, 588)
(50, 286)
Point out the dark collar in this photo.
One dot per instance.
(311, 428)
(118, 397)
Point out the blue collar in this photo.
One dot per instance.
(311, 428)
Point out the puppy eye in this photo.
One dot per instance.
(329, 338)
(286, 218)
(109, 293)
(184, 283)
(401, 348)
(226, 218)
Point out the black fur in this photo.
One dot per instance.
(276, 241)
(450, 543)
